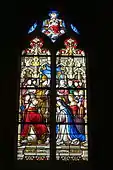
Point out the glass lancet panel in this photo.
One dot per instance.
(74, 28)
(34, 104)
(32, 28)
(71, 104)
(53, 27)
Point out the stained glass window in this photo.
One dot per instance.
(37, 91)
(71, 107)
(33, 126)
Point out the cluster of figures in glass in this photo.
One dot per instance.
(34, 99)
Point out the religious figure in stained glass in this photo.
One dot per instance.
(33, 128)
(71, 103)
(32, 115)
(53, 27)
(67, 133)
(71, 97)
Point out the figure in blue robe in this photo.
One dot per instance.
(67, 132)
(47, 71)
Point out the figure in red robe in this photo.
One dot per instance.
(32, 117)
(73, 105)
(53, 27)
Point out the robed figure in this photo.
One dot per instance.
(66, 129)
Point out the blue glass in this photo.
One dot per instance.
(74, 28)
(32, 28)
(47, 70)
(53, 11)
(73, 133)
(22, 108)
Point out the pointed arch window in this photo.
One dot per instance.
(52, 118)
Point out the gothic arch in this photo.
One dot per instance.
(53, 100)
